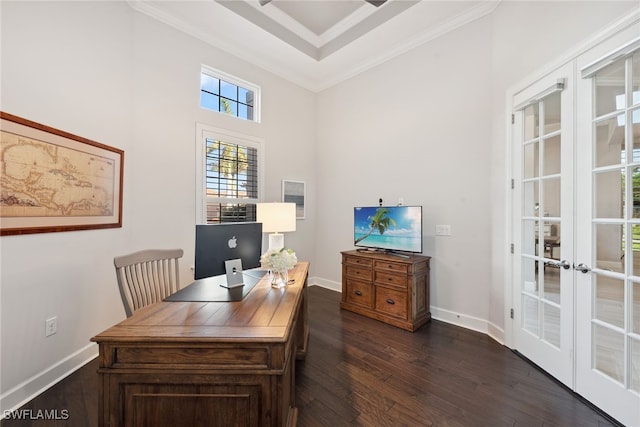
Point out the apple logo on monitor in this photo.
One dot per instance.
(233, 242)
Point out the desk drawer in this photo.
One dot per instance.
(391, 302)
(391, 266)
(365, 262)
(363, 273)
(359, 292)
(391, 279)
(180, 357)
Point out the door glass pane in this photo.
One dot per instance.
(609, 354)
(635, 364)
(635, 189)
(609, 89)
(551, 325)
(530, 314)
(635, 132)
(551, 191)
(551, 113)
(609, 300)
(530, 198)
(635, 84)
(608, 247)
(551, 164)
(531, 122)
(551, 247)
(635, 249)
(609, 143)
(609, 191)
(530, 275)
(529, 237)
(530, 159)
(552, 283)
(636, 307)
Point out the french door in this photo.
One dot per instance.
(608, 237)
(543, 307)
(576, 225)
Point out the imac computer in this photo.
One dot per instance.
(217, 243)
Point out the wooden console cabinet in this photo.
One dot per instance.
(389, 288)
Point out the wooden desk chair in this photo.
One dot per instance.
(146, 277)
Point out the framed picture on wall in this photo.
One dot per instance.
(294, 192)
(55, 181)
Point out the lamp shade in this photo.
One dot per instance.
(276, 217)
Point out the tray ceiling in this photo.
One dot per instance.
(315, 43)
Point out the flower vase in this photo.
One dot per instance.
(279, 278)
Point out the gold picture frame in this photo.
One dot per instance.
(52, 181)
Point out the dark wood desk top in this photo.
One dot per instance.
(264, 315)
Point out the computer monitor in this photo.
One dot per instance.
(217, 243)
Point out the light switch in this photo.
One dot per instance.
(443, 230)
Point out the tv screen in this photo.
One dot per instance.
(217, 243)
(388, 228)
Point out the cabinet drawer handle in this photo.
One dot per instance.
(359, 293)
(390, 301)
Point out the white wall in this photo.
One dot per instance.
(415, 128)
(104, 72)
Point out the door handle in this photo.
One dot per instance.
(583, 268)
(560, 264)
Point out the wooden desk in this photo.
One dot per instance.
(207, 363)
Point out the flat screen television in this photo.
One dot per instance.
(395, 229)
(217, 243)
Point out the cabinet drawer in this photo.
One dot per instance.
(367, 262)
(391, 279)
(398, 267)
(359, 292)
(359, 272)
(391, 302)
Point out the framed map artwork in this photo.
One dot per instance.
(51, 180)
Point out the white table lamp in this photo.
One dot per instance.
(276, 218)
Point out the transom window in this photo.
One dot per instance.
(229, 95)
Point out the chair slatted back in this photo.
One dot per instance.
(147, 276)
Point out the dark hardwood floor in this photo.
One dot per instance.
(361, 372)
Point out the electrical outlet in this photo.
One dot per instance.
(50, 326)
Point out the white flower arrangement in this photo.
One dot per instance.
(278, 259)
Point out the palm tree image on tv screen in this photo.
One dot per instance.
(392, 228)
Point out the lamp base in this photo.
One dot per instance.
(276, 241)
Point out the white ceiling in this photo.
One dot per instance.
(315, 43)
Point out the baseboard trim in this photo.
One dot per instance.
(459, 319)
(324, 283)
(22, 393)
